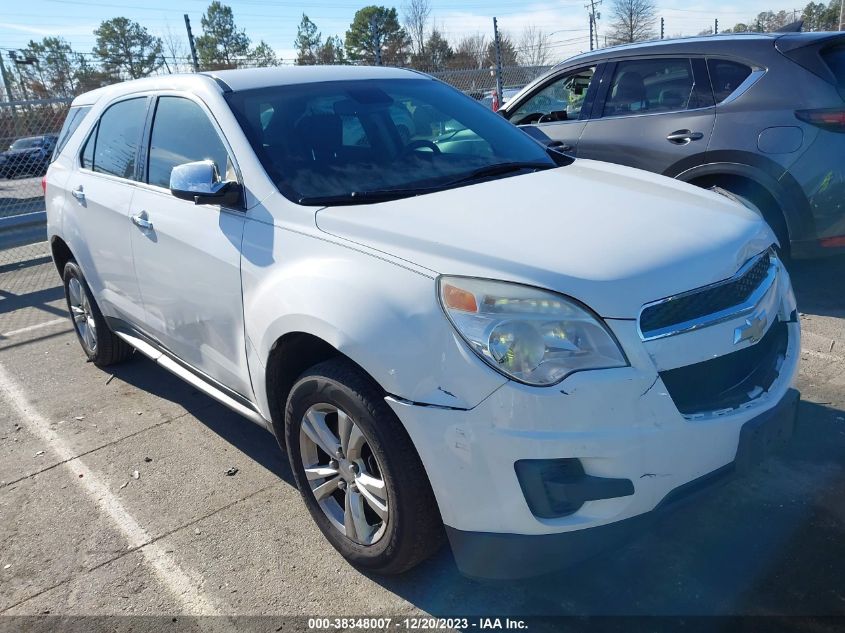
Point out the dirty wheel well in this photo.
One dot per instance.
(61, 253)
(291, 356)
(755, 193)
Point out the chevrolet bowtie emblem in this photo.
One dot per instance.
(753, 330)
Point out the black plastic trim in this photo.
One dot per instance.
(559, 487)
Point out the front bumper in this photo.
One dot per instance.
(620, 424)
(507, 556)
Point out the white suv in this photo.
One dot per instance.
(456, 327)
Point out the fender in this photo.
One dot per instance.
(768, 174)
(382, 316)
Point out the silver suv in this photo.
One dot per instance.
(759, 115)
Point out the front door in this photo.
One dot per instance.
(187, 256)
(558, 107)
(655, 114)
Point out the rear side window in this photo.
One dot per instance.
(726, 76)
(118, 137)
(72, 120)
(182, 133)
(650, 85)
(834, 57)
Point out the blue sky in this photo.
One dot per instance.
(275, 21)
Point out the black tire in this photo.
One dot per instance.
(107, 348)
(414, 529)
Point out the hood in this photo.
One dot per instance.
(612, 237)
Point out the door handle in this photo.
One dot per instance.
(78, 193)
(682, 137)
(560, 146)
(141, 221)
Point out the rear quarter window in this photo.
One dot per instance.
(726, 76)
(74, 117)
(834, 57)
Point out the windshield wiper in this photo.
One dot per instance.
(386, 195)
(365, 197)
(500, 169)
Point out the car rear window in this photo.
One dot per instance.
(117, 139)
(834, 57)
(72, 121)
(726, 76)
(650, 85)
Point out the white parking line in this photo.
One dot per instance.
(37, 326)
(183, 587)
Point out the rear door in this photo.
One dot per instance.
(102, 187)
(187, 256)
(560, 106)
(655, 114)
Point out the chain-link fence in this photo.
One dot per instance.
(480, 83)
(28, 132)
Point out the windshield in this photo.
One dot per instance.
(26, 143)
(348, 141)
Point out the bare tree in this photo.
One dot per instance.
(415, 16)
(176, 51)
(633, 20)
(533, 48)
(470, 51)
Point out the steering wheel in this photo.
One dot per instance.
(420, 143)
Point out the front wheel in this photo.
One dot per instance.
(358, 471)
(100, 344)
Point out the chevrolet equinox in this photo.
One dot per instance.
(454, 333)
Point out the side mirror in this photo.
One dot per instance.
(201, 183)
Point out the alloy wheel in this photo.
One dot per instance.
(83, 317)
(344, 474)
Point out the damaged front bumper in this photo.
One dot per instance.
(627, 447)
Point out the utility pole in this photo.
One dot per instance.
(841, 13)
(662, 28)
(716, 27)
(594, 17)
(376, 37)
(498, 46)
(191, 44)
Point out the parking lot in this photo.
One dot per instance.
(131, 493)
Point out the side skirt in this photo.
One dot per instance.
(194, 377)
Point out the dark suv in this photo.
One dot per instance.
(29, 156)
(761, 116)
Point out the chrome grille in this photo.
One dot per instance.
(704, 306)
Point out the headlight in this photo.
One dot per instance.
(530, 335)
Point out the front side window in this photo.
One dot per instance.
(117, 139)
(182, 133)
(726, 76)
(352, 141)
(561, 100)
(650, 85)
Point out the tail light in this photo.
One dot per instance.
(832, 119)
(44, 184)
